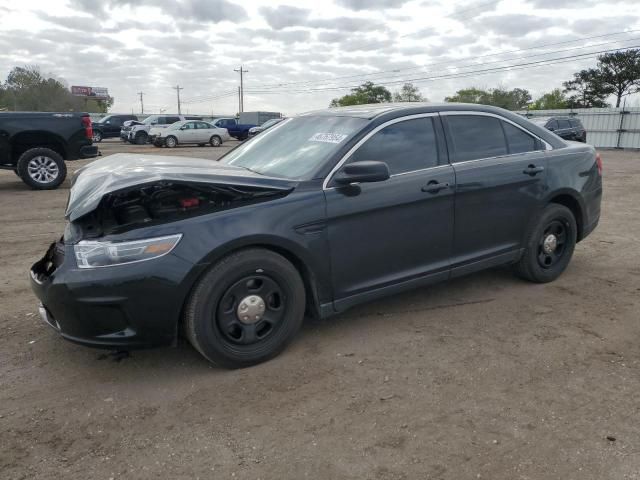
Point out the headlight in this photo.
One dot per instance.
(91, 254)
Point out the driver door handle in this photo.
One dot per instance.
(434, 187)
(532, 170)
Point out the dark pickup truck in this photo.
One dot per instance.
(36, 144)
(237, 130)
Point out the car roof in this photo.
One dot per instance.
(374, 110)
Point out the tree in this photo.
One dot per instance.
(619, 72)
(409, 93)
(515, 99)
(26, 89)
(589, 90)
(368, 92)
(467, 95)
(553, 100)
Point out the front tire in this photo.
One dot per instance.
(215, 141)
(97, 136)
(141, 138)
(245, 309)
(42, 168)
(549, 245)
(171, 142)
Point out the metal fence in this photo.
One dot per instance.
(606, 127)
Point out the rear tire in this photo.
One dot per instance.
(220, 317)
(97, 136)
(42, 168)
(215, 141)
(549, 245)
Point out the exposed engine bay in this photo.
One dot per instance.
(163, 202)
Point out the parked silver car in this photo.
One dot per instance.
(189, 132)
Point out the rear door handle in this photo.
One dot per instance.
(434, 187)
(533, 170)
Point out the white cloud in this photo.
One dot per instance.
(298, 52)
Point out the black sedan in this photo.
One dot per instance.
(568, 128)
(319, 213)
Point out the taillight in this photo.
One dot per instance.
(599, 163)
(88, 129)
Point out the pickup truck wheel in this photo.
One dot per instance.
(141, 138)
(245, 309)
(97, 136)
(549, 245)
(215, 141)
(42, 168)
(171, 142)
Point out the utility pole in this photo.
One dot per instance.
(241, 71)
(141, 103)
(177, 88)
(239, 100)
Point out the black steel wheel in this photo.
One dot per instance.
(246, 308)
(549, 245)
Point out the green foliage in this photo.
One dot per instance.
(408, 93)
(26, 89)
(587, 90)
(368, 92)
(619, 73)
(515, 99)
(553, 100)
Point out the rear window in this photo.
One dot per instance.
(518, 140)
(475, 137)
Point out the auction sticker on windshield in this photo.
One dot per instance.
(328, 137)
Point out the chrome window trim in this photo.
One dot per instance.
(368, 136)
(546, 145)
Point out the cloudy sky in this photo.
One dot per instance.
(301, 54)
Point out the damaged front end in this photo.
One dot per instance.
(164, 202)
(124, 192)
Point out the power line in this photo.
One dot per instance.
(325, 80)
(519, 66)
(381, 81)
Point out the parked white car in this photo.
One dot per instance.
(140, 134)
(188, 132)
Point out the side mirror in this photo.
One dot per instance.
(551, 129)
(365, 171)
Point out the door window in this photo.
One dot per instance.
(171, 120)
(189, 126)
(404, 146)
(518, 140)
(476, 136)
(203, 125)
(552, 125)
(563, 124)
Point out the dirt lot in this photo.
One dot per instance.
(484, 377)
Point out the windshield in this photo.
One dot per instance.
(175, 126)
(104, 119)
(148, 120)
(296, 147)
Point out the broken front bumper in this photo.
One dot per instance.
(127, 306)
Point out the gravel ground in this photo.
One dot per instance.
(482, 377)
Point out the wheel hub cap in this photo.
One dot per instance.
(42, 169)
(550, 244)
(251, 309)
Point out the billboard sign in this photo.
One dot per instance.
(99, 93)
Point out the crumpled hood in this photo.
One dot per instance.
(122, 171)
